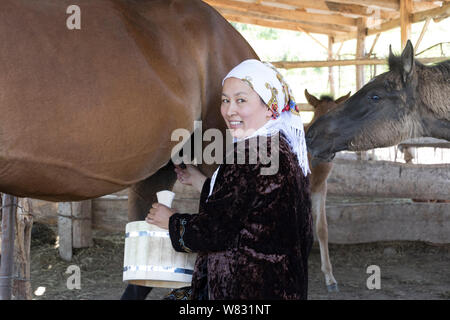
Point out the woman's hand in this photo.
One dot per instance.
(190, 176)
(159, 215)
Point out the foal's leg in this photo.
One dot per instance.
(318, 209)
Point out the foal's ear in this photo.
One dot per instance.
(407, 61)
(343, 98)
(311, 99)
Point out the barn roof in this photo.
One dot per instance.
(337, 18)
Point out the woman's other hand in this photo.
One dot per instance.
(159, 215)
(190, 176)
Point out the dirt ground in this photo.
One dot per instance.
(409, 270)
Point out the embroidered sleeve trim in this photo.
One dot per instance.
(182, 231)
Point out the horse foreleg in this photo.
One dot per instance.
(319, 212)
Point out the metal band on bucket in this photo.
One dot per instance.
(158, 269)
(159, 234)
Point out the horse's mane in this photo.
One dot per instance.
(441, 67)
(435, 90)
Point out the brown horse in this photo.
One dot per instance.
(89, 112)
(318, 178)
(410, 100)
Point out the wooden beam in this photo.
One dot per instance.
(331, 6)
(339, 50)
(354, 9)
(437, 13)
(384, 4)
(389, 179)
(405, 21)
(328, 28)
(314, 39)
(422, 33)
(396, 220)
(441, 12)
(385, 26)
(425, 142)
(373, 45)
(278, 24)
(421, 6)
(246, 7)
(111, 215)
(305, 107)
(350, 62)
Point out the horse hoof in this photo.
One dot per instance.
(333, 287)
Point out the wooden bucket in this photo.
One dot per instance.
(151, 261)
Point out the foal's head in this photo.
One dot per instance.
(380, 114)
(323, 105)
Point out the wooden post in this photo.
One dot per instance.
(422, 33)
(330, 69)
(360, 51)
(74, 227)
(405, 20)
(24, 222)
(369, 55)
(360, 54)
(309, 35)
(65, 230)
(7, 262)
(82, 224)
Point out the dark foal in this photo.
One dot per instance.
(410, 100)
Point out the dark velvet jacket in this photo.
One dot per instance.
(253, 234)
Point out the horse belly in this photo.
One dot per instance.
(85, 115)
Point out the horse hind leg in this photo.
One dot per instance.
(318, 210)
(142, 195)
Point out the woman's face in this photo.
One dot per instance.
(242, 109)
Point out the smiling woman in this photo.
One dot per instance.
(242, 109)
(253, 232)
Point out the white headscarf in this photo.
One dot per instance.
(270, 85)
